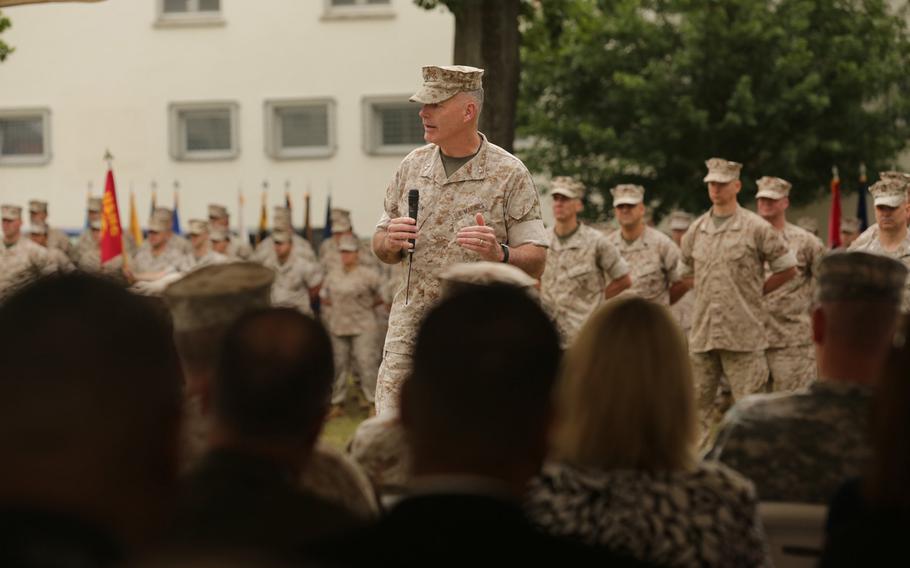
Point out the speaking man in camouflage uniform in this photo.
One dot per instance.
(652, 257)
(202, 254)
(20, 258)
(799, 447)
(352, 291)
(219, 218)
(723, 257)
(790, 353)
(892, 212)
(297, 281)
(477, 202)
(583, 269)
(56, 238)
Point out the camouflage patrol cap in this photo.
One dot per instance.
(441, 83)
(95, 225)
(722, 171)
(218, 234)
(895, 175)
(567, 186)
(161, 220)
(809, 224)
(859, 276)
(37, 206)
(849, 225)
(627, 194)
(11, 212)
(485, 273)
(889, 192)
(198, 227)
(218, 294)
(349, 244)
(341, 220)
(281, 213)
(680, 220)
(37, 229)
(217, 211)
(281, 235)
(94, 205)
(773, 187)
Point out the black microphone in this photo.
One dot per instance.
(413, 201)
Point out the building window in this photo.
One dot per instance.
(391, 125)
(300, 128)
(204, 131)
(343, 9)
(25, 137)
(189, 12)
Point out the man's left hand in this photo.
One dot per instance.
(480, 239)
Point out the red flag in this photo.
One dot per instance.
(111, 232)
(834, 216)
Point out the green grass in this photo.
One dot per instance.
(339, 430)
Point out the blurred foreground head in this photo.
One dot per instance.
(273, 381)
(478, 400)
(89, 404)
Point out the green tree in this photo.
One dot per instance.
(487, 36)
(5, 49)
(645, 90)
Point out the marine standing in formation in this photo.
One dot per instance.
(582, 268)
(723, 257)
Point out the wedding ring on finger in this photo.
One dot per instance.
(480, 242)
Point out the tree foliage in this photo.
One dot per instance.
(5, 49)
(644, 91)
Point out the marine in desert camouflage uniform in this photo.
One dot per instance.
(682, 309)
(477, 202)
(38, 234)
(20, 258)
(56, 239)
(790, 353)
(281, 221)
(652, 257)
(892, 212)
(297, 281)
(220, 221)
(202, 254)
(583, 269)
(723, 257)
(800, 446)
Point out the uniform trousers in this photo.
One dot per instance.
(393, 371)
(746, 371)
(357, 354)
(792, 367)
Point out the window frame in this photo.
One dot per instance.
(372, 125)
(360, 10)
(190, 17)
(177, 131)
(273, 129)
(31, 159)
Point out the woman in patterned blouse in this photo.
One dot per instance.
(626, 473)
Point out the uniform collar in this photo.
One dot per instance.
(475, 169)
(734, 223)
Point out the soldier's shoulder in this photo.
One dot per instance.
(500, 158)
(418, 155)
(652, 235)
(805, 237)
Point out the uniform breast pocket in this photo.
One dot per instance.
(585, 280)
(647, 274)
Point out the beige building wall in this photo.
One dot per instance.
(107, 73)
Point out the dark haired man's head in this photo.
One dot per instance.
(89, 402)
(274, 380)
(479, 398)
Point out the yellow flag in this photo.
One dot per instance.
(135, 229)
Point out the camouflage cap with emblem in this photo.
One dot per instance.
(37, 229)
(341, 220)
(889, 192)
(441, 83)
(680, 220)
(349, 243)
(567, 187)
(849, 225)
(37, 206)
(161, 220)
(281, 235)
(627, 194)
(217, 211)
(773, 187)
(722, 171)
(218, 294)
(471, 274)
(94, 205)
(11, 212)
(198, 227)
(845, 276)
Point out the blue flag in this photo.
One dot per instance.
(327, 230)
(175, 227)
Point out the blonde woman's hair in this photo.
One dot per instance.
(626, 399)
